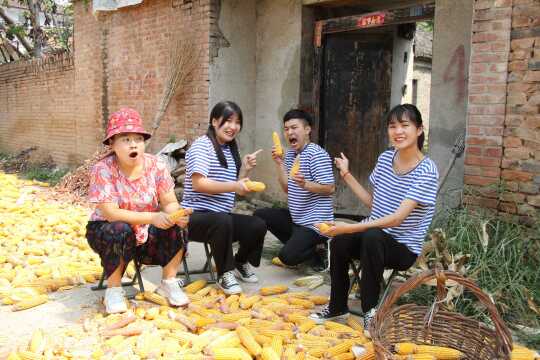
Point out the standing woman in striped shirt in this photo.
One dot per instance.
(214, 175)
(402, 202)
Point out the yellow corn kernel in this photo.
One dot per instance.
(28, 355)
(355, 324)
(440, 352)
(277, 345)
(30, 303)
(175, 216)
(277, 262)
(166, 324)
(13, 356)
(230, 353)
(318, 300)
(522, 353)
(248, 340)
(195, 286)
(233, 317)
(285, 334)
(295, 167)
(344, 356)
(155, 298)
(323, 227)
(307, 325)
(269, 354)
(278, 149)
(332, 325)
(405, 348)
(306, 304)
(227, 340)
(340, 348)
(248, 302)
(255, 186)
(273, 290)
(262, 340)
(37, 343)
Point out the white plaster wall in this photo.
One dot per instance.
(233, 71)
(278, 78)
(401, 71)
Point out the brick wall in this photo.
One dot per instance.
(502, 168)
(36, 100)
(120, 59)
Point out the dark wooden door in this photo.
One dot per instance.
(355, 96)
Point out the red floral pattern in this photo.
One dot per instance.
(108, 184)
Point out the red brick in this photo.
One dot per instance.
(479, 180)
(482, 160)
(512, 142)
(532, 76)
(516, 175)
(521, 44)
(508, 207)
(490, 120)
(516, 153)
(495, 152)
(473, 150)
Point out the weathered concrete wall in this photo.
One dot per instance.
(448, 108)
(402, 67)
(422, 75)
(233, 70)
(278, 77)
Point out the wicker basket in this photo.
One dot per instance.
(432, 326)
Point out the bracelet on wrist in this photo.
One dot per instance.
(347, 173)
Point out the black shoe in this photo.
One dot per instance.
(228, 283)
(244, 273)
(325, 314)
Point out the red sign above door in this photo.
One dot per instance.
(369, 20)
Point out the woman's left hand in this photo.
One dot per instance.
(337, 228)
(250, 160)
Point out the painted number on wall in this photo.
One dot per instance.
(455, 72)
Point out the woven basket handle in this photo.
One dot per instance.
(504, 339)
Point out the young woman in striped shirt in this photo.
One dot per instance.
(214, 175)
(404, 190)
(309, 193)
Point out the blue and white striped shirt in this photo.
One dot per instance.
(390, 189)
(308, 208)
(201, 158)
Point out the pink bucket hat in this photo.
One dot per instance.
(125, 120)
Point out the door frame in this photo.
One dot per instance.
(356, 22)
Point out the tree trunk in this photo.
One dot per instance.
(23, 41)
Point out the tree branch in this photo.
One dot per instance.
(23, 41)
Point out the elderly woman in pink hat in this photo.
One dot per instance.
(134, 193)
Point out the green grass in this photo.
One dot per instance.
(51, 176)
(504, 262)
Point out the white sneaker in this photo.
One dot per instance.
(227, 282)
(170, 288)
(115, 301)
(244, 272)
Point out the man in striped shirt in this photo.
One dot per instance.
(309, 193)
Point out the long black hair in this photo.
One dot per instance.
(224, 110)
(412, 113)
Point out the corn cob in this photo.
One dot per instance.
(344, 356)
(248, 302)
(166, 324)
(262, 340)
(332, 325)
(276, 261)
(177, 215)
(306, 304)
(285, 334)
(295, 167)
(342, 347)
(151, 313)
(155, 298)
(268, 354)
(355, 324)
(306, 326)
(28, 355)
(247, 339)
(30, 303)
(195, 286)
(323, 227)
(440, 352)
(316, 352)
(278, 149)
(405, 348)
(230, 353)
(523, 353)
(255, 186)
(318, 300)
(273, 290)
(37, 343)
(13, 356)
(277, 345)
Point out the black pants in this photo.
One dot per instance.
(300, 241)
(376, 251)
(221, 229)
